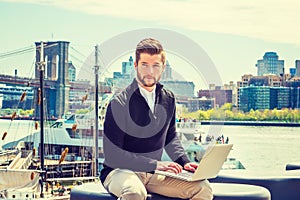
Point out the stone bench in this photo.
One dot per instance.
(282, 186)
(232, 191)
(91, 191)
(222, 191)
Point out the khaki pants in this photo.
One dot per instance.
(129, 185)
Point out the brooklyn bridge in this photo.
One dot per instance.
(57, 86)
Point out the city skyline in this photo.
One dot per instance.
(233, 34)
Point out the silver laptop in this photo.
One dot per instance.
(209, 166)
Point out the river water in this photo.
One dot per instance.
(260, 148)
(263, 148)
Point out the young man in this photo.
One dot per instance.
(139, 124)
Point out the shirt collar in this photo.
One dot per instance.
(146, 93)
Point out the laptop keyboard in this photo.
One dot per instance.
(186, 174)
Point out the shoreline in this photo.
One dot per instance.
(227, 123)
(25, 118)
(251, 123)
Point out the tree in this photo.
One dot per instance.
(226, 113)
(227, 106)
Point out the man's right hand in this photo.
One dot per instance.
(168, 166)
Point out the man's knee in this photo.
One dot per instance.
(134, 195)
(204, 191)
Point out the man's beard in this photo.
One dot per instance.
(142, 80)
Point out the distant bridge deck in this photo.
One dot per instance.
(23, 81)
(27, 82)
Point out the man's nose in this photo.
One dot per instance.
(150, 70)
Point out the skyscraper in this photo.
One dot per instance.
(71, 72)
(128, 67)
(297, 63)
(270, 65)
(167, 75)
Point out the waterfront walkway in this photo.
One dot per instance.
(251, 123)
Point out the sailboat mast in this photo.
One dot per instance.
(41, 68)
(96, 111)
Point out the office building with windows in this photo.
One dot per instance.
(263, 97)
(10, 97)
(270, 64)
(294, 85)
(218, 93)
(203, 103)
(254, 97)
(180, 88)
(71, 72)
(279, 97)
(297, 66)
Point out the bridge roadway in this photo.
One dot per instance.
(23, 81)
(27, 82)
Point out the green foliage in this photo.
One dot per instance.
(203, 115)
(21, 112)
(27, 112)
(82, 111)
(226, 113)
(227, 106)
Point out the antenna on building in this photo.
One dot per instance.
(282, 78)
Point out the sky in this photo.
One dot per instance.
(234, 34)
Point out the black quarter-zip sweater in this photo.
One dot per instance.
(134, 137)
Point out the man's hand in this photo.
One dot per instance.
(168, 166)
(190, 166)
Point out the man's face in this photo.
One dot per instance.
(149, 69)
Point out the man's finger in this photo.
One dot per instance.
(175, 167)
(195, 165)
(190, 167)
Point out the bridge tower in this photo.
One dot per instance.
(57, 96)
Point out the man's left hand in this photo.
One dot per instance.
(190, 166)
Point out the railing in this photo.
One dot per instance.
(189, 125)
(14, 163)
(21, 161)
(27, 160)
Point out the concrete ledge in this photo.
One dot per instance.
(281, 186)
(95, 191)
(232, 191)
(222, 191)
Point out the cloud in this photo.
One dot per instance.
(275, 21)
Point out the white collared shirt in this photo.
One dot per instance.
(149, 96)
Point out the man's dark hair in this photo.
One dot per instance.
(150, 46)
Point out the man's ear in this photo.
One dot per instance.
(135, 65)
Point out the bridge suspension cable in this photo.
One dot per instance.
(17, 52)
(82, 59)
(77, 51)
(20, 51)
